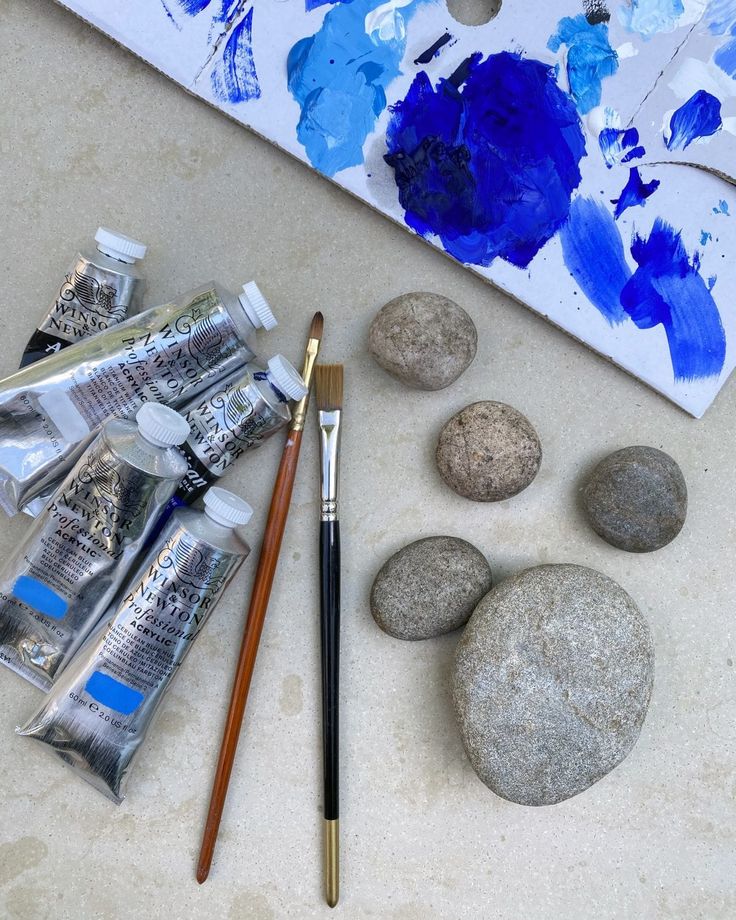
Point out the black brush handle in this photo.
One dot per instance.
(329, 551)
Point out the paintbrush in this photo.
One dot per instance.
(328, 392)
(272, 537)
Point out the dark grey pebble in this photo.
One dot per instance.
(636, 499)
(429, 587)
(551, 682)
(425, 340)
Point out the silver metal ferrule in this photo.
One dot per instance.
(329, 437)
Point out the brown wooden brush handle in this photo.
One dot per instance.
(273, 535)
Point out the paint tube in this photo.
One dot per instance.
(166, 354)
(61, 579)
(99, 711)
(96, 293)
(230, 419)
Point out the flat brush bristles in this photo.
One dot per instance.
(328, 386)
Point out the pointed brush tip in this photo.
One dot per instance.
(317, 327)
(202, 874)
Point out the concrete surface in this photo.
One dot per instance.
(89, 135)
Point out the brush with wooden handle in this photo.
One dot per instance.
(272, 537)
(328, 392)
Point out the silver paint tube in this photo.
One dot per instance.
(232, 418)
(166, 354)
(67, 570)
(98, 713)
(97, 292)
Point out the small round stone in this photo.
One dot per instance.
(551, 682)
(429, 587)
(636, 499)
(488, 452)
(425, 340)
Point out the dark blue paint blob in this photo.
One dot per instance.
(234, 78)
(700, 116)
(594, 253)
(620, 145)
(434, 49)
(634, 193)
(488, 159)
(667, 289)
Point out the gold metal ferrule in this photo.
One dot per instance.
(332, 861)
(299, 412)
(329, 439)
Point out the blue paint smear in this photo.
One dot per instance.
(234, 78)
(193, 7)
(39, 596)
(590, 58)
(310, 5)
(488, 159)
(725, 58)
(634, 193)
(667, 289)
(594, 253)
(620, 146)
(720, 16)
(113, 693)
(700, 116)
(650, 17)
(712, 281)
(339, 77)
(721, 208)
(705, 237)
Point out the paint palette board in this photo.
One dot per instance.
(548, 153)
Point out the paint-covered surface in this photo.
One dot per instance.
(493, 142)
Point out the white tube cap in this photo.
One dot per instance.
(118, 246)
(161, 425)
(286, 378)
(226, 508)
(256, 307)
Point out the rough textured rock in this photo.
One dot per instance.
(429, 587)
(636, 499)
(425, 340)
(488, 452)
(551, 682)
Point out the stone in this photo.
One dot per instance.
(551, 682)
(488, 452)
(636, 499)
(424, 340)
(429, 587)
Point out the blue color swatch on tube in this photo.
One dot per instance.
(39, 596)
(112, 693)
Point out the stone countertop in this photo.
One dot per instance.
(90, 136)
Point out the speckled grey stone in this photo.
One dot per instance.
(425, 340)
(488, 452)
(429, 587)
(636, 499)
(551, 682)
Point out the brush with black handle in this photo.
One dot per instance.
(328, 381)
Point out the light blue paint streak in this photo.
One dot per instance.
(699, 117)
(650, 17)
(590, 58)
(705, 237)
(720, 16)
(339, 77)
(725, 58)
(722, 208)
(594, 254)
